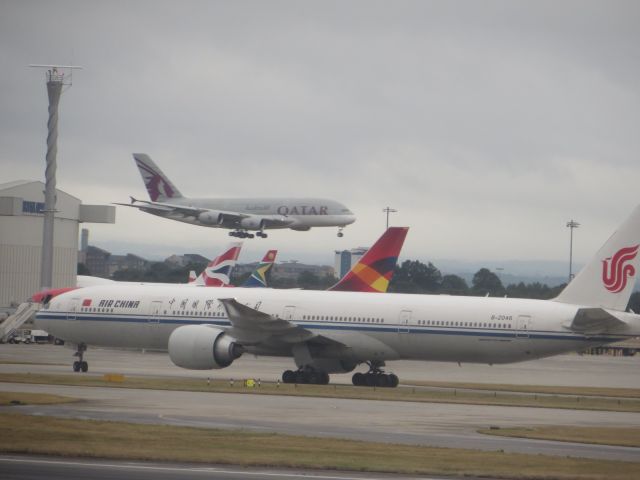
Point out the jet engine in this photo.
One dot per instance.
(252, 223)
(199, 347)
(211, 217)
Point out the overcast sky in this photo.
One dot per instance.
(486, 124)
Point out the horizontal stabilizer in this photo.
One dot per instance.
(595, 321)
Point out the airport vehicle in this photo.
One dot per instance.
(329, 332)
(240, 215)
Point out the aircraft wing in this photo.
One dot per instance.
(228, 218)
(184, 210)
(595, 321)
(251, 326)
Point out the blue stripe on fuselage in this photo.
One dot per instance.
(224, 322)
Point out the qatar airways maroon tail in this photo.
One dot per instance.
(374, 270)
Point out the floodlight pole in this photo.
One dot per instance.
(571, 224)
(389, 210)
(55, 81)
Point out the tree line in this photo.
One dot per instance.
(411, 276)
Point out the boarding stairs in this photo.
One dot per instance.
(23, 313)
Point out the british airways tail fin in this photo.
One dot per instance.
(374, 270)
(219, 269)
(158, 184)
(259, 276)
(607, 281)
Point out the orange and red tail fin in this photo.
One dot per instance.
(374, 270)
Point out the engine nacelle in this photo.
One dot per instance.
(199, 347)
(252, 223)
(211, 217)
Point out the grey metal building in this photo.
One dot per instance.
(21, 223)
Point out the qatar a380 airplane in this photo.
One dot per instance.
(334, 332)
(240, 215)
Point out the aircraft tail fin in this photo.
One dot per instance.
(607, 281)
(374, 270)
(219, 269)
(158, 185)
(260, 275)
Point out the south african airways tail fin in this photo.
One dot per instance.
(158, 185)
(219, 269)
(260, 275)
(374, 270)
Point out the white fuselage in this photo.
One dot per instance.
(373, 326)
(300, 213)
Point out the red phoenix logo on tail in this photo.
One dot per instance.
(616, 269)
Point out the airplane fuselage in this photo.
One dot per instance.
(374, 326)
(300, 214)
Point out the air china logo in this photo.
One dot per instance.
(616, 269)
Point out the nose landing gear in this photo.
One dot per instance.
(80, 365)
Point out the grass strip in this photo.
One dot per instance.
(115, 440)
(407, 394)
(21, 398)
(620, 436)
(541, 389)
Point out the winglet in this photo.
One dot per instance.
(374, 270)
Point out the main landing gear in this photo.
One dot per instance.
(375, 377)
(80, 365)
(245, 234)
(305, 375)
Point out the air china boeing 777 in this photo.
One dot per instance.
(241, 215)
(331, 332)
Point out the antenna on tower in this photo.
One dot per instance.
(55, 80)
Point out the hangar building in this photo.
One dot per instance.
(21, 222)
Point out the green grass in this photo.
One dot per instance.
(25, 434)
(411, 394)
(625, 437)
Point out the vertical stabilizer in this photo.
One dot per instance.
(219, 269)
(260, 275)
(158, 185)
(374, 270)
(607, 281)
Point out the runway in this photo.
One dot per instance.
(443, 425)
(562, 370)
(32, 468)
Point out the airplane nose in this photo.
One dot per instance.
(350, 219)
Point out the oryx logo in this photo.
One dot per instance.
(616, 269)
(155, 183)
